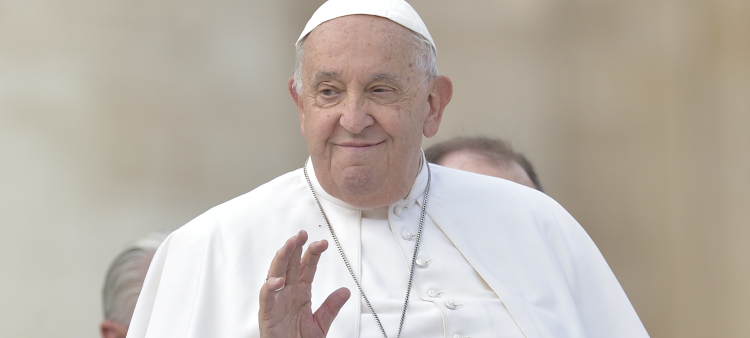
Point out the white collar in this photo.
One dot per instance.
(415, 193)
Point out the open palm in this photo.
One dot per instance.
(285, 298)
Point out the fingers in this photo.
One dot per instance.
(276, 276)
(281, 259)
(293, 266)
(330, 308)
(277, 273)
(268, 292)
(310, 260)
(288, 268)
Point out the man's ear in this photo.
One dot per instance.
(441, 94)
(297, 101)
(112, 329)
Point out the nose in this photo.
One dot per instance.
(355, 117)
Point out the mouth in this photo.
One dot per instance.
(359, 147)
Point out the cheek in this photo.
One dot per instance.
(415, 120)
(404, 128)
(318, 127)
(307, 124)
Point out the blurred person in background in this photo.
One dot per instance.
(486, 156)
(123, 284)
(486, 258)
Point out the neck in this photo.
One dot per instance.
(414, 184)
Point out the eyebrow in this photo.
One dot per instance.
(387, 77)
(325, 75)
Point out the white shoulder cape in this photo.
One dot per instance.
(205, 278)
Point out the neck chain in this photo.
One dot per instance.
(413, 259)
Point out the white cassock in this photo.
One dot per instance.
(497, 259)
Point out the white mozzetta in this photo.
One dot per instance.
(494, 247)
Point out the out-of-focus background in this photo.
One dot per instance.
(118, 118)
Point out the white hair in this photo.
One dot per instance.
(124, 279)
(424, 59)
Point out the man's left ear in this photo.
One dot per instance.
(442, 91)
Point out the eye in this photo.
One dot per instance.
(386, 93)
(327, 92)
(381, 89)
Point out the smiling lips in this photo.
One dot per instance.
(358, 147)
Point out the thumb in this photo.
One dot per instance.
(328, 311)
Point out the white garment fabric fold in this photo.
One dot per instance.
(497, 259)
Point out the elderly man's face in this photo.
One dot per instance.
(364, 107)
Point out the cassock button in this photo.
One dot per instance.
(435, 294)
(408, 236)
(452, 305)
(423, 262)
(399, 210)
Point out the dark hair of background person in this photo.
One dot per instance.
(495, 150)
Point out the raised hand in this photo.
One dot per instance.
(285, 306)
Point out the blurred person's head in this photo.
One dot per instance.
(486, 156)
(123, 284)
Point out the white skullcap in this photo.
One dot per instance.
(397, 11)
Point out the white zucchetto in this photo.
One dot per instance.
(397, 11)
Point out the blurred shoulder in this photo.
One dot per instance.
(465, 193)
(449, 181)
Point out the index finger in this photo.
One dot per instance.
(276, 277)
(280, 261)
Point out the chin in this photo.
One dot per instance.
(358, 181)
(361, 188)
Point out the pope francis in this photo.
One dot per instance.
(418, 250)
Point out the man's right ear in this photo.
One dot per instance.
(112, 329)
(292, 92)
(298, 101)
